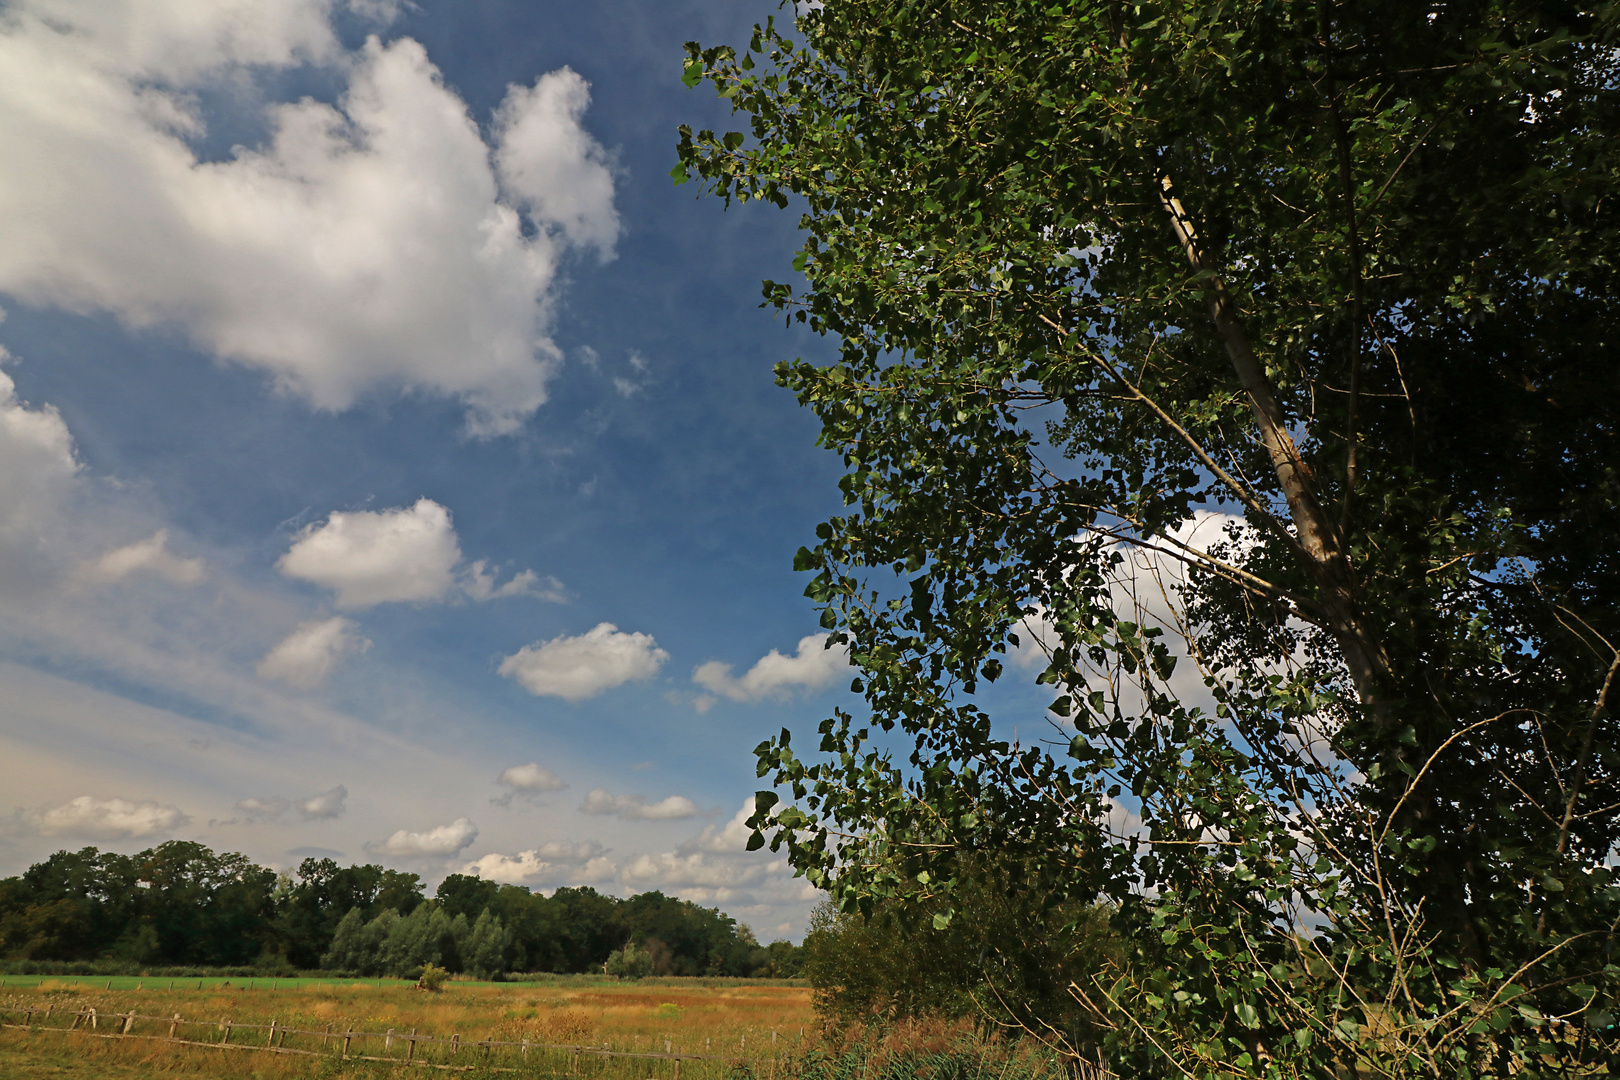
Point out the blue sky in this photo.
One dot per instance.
(377, 422)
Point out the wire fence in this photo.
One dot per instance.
(393, 1046)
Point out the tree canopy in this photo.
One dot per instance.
(1250, 363)
(182, 905)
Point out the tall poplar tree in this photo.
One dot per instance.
(1253, 362)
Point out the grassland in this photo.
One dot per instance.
(725, 1029)
(753, 1023)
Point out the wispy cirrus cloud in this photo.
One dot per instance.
(149, 556)
(322, 806)
(307, 657)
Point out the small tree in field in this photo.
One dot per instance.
(631, 962)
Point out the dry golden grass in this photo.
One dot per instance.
(752, 1020)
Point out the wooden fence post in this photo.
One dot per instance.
(270, 1039)
(228, 1024)
(388, 1041)
(410, 1047)
(93, 1019)
(455, 1042)
(348, 1034)
(174, 1023)
(129, 1022)
(325, 1036)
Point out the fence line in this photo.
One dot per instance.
(86, 1021)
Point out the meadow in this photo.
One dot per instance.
(727, 1022)
(576, 1026)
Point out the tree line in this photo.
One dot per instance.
(182, 904)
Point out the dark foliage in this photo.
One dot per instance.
(181, 906)
(1001, 959)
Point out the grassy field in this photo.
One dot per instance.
(756, 1024)
(734, 1030)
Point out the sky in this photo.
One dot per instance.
(391, 467)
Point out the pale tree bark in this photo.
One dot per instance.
(1319, 541)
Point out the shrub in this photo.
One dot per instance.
(630, 962)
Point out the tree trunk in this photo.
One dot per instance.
(1318, 539)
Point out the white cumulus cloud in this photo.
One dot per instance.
(570, 851)
(575, 668)
(37, 467)
(519, 869)
(526, 782)
(549, 167)
(697, 869)
(407, 554)
(443, 840)
(150, 556)
(636, 807)
(307, 657)
(597, 870)
(531, 777)
(728, 839)
(111, 819)
(813, 667)
(368, 244)
(372, 557)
